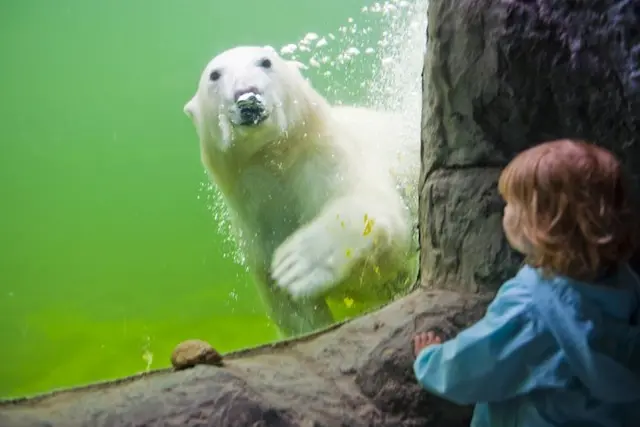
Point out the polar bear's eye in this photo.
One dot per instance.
(215, 75)
(265, 63)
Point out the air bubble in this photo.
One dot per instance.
(288, 49)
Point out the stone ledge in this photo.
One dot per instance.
(355, 374)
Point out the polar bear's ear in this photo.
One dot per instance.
(296, 65)
(270, 48)
(191, 109)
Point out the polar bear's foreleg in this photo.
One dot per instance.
(293, 317)
(369, 225)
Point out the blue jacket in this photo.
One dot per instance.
(548, 352)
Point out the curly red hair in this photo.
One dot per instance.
(575, 207)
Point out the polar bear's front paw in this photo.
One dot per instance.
(309, 263)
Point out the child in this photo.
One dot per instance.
(560, 343)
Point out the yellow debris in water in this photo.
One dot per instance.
(348, 253)
(368, 225)
(376, 269)
(348, 302)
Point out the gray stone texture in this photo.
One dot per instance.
(499, 76)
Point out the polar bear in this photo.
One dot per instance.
(323, 196)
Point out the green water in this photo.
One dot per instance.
(108, 247)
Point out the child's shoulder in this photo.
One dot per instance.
(533, 293)
(522, 286)
(558, 301)
(532, 282)
(517, 294)
(541, 291)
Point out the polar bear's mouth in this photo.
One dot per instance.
(250, 110)
(252, 116)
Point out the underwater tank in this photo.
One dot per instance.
(114, 246)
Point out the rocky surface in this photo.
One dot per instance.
(357, 374)
(499, 76)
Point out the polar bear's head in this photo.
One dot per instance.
(250, 96)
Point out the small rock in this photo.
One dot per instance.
(190, 353)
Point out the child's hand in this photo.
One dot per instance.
(424, 340)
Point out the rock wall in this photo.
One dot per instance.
(499, 76)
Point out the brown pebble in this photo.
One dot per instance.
(190, 353)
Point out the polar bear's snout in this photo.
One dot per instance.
(249, 108)
(243, 94)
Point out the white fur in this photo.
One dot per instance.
(323, 199)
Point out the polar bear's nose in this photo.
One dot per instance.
(239, 93)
